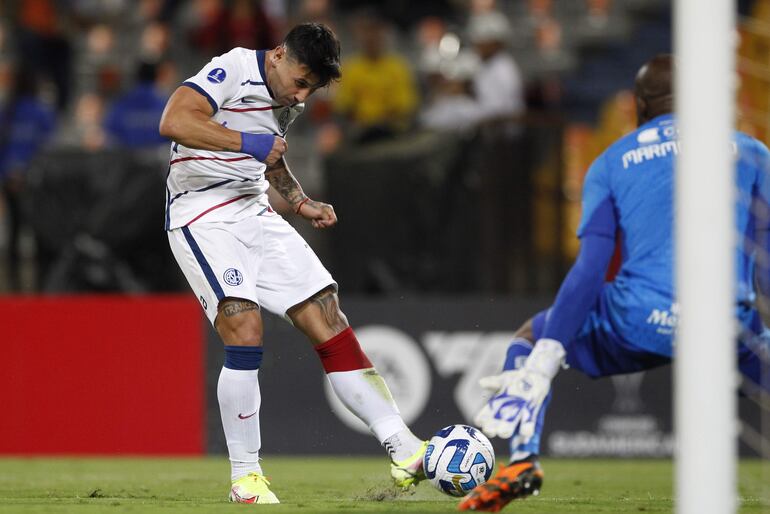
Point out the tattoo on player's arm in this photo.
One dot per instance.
(285, 184)
(330, 309)
(230, 309)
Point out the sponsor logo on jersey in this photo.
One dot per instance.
(647, 136)
(241, 416)
(233, 277)
(649, 152)
(203, 302)
(664, 320)
(217, 75)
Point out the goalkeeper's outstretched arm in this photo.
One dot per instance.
(580, 289)
(519, 394)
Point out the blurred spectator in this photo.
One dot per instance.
(5, 42)
(152, 10)
(98, 70)
(220, 26)
(539, 10)
(498, 84)
(428, 36)
(552, 57)
(84, 129)
(601, 24)
(25, 126)
(93, 11)
(277, 12)
(45, 48)
(377, 95)
(206, 34)
(451, 106)
(154, 42)
(526, 24)
(546, 67)
(482, 6)
(167, 79)
(319, 11)
(168, 10)
(430, 30)
(154, 48)
(249, 26)
(134, 118)
(404, 13)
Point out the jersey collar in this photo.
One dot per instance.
(261, 64)
(658, 119)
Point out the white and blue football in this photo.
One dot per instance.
(458, 458)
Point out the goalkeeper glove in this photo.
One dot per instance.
(519, 394)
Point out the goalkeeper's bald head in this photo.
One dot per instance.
(654, 88)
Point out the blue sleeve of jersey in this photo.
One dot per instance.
(580, 289)
(596, 198)
(582, 285)
(760, 212)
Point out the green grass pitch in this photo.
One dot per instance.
(328, 484)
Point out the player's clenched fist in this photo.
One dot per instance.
(321, 215)
(265, 148)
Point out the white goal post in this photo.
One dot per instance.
(705, 359)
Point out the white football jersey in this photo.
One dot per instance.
(203, 185)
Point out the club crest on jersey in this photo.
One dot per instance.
(233, 277)
(217, 75)
(283, 119)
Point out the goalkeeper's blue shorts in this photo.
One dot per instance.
(598, 351)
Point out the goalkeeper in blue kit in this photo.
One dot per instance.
(626, 325)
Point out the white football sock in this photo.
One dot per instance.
(239, 400)
(365, 394)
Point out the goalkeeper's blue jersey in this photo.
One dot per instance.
(635, 175)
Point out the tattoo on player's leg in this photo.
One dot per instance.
(233, 307)
(329, 304)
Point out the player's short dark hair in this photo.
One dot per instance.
(315, 46)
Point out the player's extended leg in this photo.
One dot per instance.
(239, 324)
(357, 383)
(523, 475)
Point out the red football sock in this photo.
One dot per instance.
(342, 353)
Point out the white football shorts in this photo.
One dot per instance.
(260, 258)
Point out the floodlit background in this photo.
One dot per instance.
(455, 163)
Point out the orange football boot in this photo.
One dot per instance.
(516, 480)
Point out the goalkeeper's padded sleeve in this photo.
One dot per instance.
(257, 145)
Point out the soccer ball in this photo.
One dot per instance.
(458, 458)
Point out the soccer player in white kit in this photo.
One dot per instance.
(227, 125)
